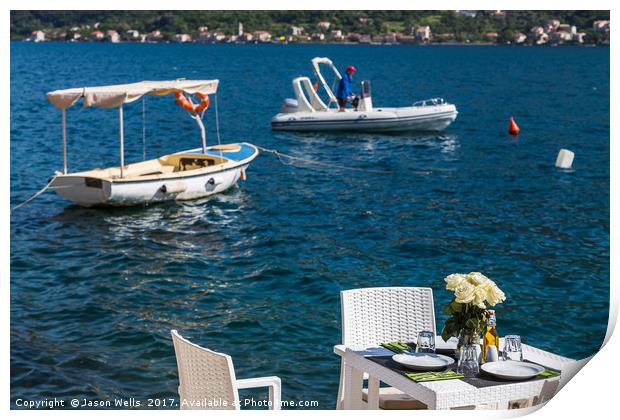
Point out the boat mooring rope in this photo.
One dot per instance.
(35, 195)
(281, 155)
(274, 152)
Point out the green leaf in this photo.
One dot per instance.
(456, 307)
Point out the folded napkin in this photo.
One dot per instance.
(550, 373)
(433, 376)
(397, 347)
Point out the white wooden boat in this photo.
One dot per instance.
(182, 175)
(308, 112)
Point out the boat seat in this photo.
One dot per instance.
(188, 164)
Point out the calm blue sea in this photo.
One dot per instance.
(256, 272)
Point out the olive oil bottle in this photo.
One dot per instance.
(490, 338)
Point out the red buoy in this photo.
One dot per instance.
(513, 128)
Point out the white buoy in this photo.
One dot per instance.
(565, 159)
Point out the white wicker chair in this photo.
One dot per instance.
(378, 315)
(207, 379)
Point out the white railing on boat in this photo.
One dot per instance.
(429, 102)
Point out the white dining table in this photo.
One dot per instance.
(439, 395)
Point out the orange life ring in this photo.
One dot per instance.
(189, 106)
(204, 102)
(183, 101)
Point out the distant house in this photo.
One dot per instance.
(181, 38)
(262, 36)
(323, 25)
(296, 31)
(319, 36)
(133, 35)
(112, 36)
(467, 13)
(37, 36)
(154, 36)
(601, 26)
(499, 14)
(203, 37)
(538, 35)
(218, 37)
(364, 39)
(423, 33)
(97, 36)
(560, 37)
(246, 37)
(390, 38)
(564, 27)
(336, 35)
(491, 36)
(74, 36)
(579, 37)
(519, 38)
(552, 25)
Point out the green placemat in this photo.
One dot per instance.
(549, 373)
(434, 376)
(397, 347)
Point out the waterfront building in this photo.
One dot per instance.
(296, 31)
(262, 36)
(154, 36)
(423, 33)
(323, 25)
(112, 36)
(97, 36)
(519, 38)
(203, 37)
(336, 35)
(181, 38)
(37, 36)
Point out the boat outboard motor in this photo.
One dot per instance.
(289, 105)
(366, 100)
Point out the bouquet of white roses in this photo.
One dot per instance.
(473, 294)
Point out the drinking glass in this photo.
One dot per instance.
(512, 348)
(426, 342)
(468, 361)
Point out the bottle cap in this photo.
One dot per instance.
(491, 311)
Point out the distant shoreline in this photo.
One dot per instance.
(446, 44)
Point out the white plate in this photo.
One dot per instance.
(512, 370)
(423, 361)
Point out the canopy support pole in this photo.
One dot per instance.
(64, 141)
(144, 128)
(122, 137)
(203, 134)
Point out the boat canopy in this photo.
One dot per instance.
(116, 95)
(316, 62)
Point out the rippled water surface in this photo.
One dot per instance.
(256, 272)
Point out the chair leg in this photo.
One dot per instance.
(373, 393)
(340, 401)
(353, 380)
(275, 393)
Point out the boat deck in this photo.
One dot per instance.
(237, 154)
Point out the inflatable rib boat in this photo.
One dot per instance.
(308, 112)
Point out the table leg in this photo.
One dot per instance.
(353, 382)
(373, 393)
